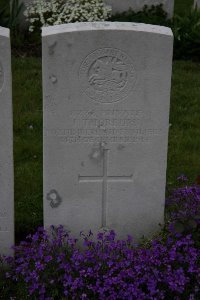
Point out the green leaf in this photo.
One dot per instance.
(179, 227)
(192, 224)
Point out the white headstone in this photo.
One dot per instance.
(6, 147)
(197, 3)
(137, 5)
(106, 112)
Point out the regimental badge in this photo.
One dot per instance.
(107, 75)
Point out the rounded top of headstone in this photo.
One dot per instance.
(90, 26)
(4, 32)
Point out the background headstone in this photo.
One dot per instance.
(22, 18)
(137, 5)
(197, 3)
(106, 114)
(6, 147)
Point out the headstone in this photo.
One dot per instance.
(106, 112)
(22, 19)
(137, 5)
(6, 147)
(197, 3)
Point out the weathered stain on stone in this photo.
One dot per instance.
(53, 79)
(52, 47)
(120, 147)
(54, 198)
(97, 152)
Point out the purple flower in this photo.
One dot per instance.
(182, 178)
(167, 267)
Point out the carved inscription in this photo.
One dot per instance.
(1, 76)
(107, 75)
(106, 118)
(3, 225)
(105, 126)
(3, 213)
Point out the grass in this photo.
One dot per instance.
(27, 95)
(184, 139)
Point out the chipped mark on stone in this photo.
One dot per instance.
(120, 147)
(69, 45)
(82, 164)
(52, 47)
(53, 79)
(54, 198)
(97, 152)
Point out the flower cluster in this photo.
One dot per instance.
(52, 265)
(107, 268)
(54, 12)
(183, 206)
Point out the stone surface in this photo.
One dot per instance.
(106, 111)
(22, 18)
(197, 3)
(137, 5)
(6, 147)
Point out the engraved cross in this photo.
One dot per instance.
(104, 179)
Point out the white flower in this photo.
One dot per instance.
(44, 13)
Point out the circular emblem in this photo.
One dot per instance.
(1, 76)
(107, 75)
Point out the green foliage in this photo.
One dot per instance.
(184, 133)
(186, 226)
(27, 112)
(3, 13)
(186, 28)
(7, 287)
(55, 12)
(181, 7)
(183, 210)
(26, 44)
(186, 31)
(9, 14)
(15, 10)
(150, 15)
